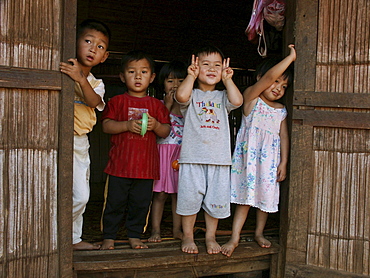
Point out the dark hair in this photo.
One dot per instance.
(136, 55)
(268, 64)
(209, 49)
(96, 25)
(177, 68)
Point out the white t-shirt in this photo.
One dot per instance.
(206, 138)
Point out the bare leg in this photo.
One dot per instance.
(159, 201)
(108, 244)
(211, 226)
(241, 213)
(260, 226)
(188, 245)
(176, 219)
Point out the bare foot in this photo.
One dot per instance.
(228, 248)
(262, 241)
(136, 243)
(212, 246)
(188, 246)
(155, 237)
(177, 234)
(83, 245)
(108, 244)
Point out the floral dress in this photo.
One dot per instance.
(256, 158)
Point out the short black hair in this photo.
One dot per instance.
(177, 68)
(94, 24)
(209, 49)
(268, 63)
(136, 55)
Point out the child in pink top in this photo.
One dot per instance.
(170, 77)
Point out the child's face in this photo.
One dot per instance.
(137, 76)
(171, 84)
(92, 48)
(210, 70)
(276, 90)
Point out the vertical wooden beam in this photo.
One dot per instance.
(278, 263)
(301, 29)
(306, 26)
(65, 160)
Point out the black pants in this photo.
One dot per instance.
(136, 195)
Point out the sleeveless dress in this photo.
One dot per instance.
(169, 150)
(256, 158)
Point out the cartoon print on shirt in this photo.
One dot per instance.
(209, 115)
(136, 113)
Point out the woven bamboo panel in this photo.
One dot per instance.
(29, 35)
(343, 46)
(339, 223)
(29, 129)
(28, 196)
(339, 226)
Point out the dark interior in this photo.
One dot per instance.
(167, 30)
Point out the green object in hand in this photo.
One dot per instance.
(144, 123)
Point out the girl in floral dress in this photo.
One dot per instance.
(261, 151)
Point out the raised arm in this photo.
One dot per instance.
(74, 71)
(269, 77)
(233, 93)
(183, 92)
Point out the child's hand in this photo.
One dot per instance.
(134, 126)
(72, 69)
(281, 173)
(193, 69)
(227, 72)
(293, 53)
(169, 98)
(152, 123)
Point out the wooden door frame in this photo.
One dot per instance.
(54, 80)
(301, 15)
(65, 142)
(297, 205)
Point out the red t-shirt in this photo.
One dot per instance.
(133, 155)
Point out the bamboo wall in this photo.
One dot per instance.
(329, 227)
(339, 226)
(31, 110)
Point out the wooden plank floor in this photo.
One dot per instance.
(165, 259)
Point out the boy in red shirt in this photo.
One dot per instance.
(133, 159)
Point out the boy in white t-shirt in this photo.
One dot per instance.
(93, 39)
(205, 159)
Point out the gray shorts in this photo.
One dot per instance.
(204, 186)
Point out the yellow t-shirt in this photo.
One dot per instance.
(84, 115)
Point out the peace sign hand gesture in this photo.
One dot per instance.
(227, 71)
(193, 69)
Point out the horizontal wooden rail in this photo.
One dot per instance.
(326, 99)
(332, 118)
(30, 79)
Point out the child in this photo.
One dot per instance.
(133, 158)
(205, 159)
(170, 77)
(92, 42)
(261, 151)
